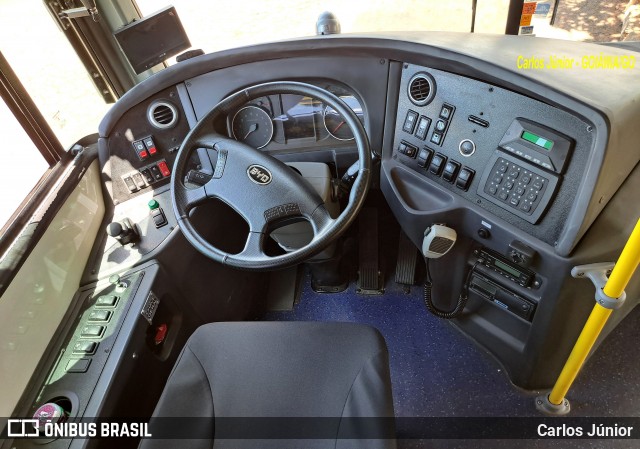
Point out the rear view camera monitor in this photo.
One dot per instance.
(151, 40)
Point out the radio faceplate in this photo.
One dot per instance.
(505, 267)
(502, 297)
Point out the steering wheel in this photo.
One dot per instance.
(261, 188)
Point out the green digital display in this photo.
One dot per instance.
(537, 140)
(507, 268)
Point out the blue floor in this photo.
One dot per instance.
(437, 372)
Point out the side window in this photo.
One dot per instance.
(21, 164)
(57, 82)
(50, 70)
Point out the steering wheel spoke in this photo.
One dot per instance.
(321, 220)
(187, 199)
(253, 248)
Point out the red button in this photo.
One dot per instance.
(143, 154)
(161, 333)
(153, 150)
(164, 169)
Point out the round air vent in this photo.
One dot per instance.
(422, 89)
(162, 114)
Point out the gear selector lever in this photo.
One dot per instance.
(124, 231)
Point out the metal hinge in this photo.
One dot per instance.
(64, 13)
(88, 9)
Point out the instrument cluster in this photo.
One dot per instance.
(276, 121)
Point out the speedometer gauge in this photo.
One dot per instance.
(335, 123)
(252, 125)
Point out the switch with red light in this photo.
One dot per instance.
(164, 169)
(150, 145)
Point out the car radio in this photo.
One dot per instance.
(503, 266)
(504, 298)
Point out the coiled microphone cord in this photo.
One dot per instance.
(460, 304)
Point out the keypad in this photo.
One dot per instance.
(516, 186)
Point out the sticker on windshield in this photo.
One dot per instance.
(529, 8)
(542, 9)
(525, 20)
(526, 30)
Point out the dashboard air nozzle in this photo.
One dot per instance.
(162, 115)
(422, 89)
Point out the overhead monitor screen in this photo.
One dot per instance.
(153, 39)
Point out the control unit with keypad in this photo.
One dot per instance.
(524, 190)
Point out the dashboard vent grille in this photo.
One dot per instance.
(421, 89)
(162, 114)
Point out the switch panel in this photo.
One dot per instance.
(146, 176)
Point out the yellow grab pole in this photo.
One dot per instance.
(626, 265)
(588, 336)
(620, 276)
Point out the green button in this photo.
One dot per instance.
(153, 204)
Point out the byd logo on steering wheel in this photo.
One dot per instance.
(259, 174)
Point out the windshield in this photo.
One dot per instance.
(212, 26)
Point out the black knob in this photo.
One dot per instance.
(124, 231)
(114, 229)
(484, 233)
(516, 257)
(467, 147)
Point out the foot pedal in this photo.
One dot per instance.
(370, 279)
(407, 261)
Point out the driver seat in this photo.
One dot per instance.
(287, 370)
